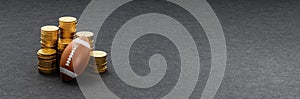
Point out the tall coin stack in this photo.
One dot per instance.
(67, 27)
(47, 53)
(100, 60)
(89, 35)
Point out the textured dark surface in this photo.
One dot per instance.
(262, 38)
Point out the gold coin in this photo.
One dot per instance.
(61, 48)
(46, 70)
(100, 58)
(100, 61)
(67, 30)
(102, 69)
(44, 46)
(99, 69)
(47, 56)
(40, 56)
(101, 64)
(92, 43)
(92, 46)
(47, 44)
(87, 34)
(49, 28)
(66, 36)
(61, 45)
(67, 22)
(46, 51)
(65, 41)
(51, 36)
(68, 27)
(98, 54)
(67, 19)
(47, 63)
(50, 40)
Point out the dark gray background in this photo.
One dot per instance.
(262, 38)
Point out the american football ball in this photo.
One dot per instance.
(74, 58)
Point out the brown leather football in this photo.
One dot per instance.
(74, 58)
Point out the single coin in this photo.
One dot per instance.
(98, 54)
(87, 34)
(46, 71)
(67, 19)
(49, 28)
(65, 41)
(46, 51)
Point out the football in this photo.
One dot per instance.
(74, 58)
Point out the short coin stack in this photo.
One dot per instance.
(100, 60)
(89, 35)
(47, 53)
(67, 27)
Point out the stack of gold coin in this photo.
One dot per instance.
(49, 35)
(47, 53)
(89, 35)
(67, 25)
(100, 60)
(46, 60)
